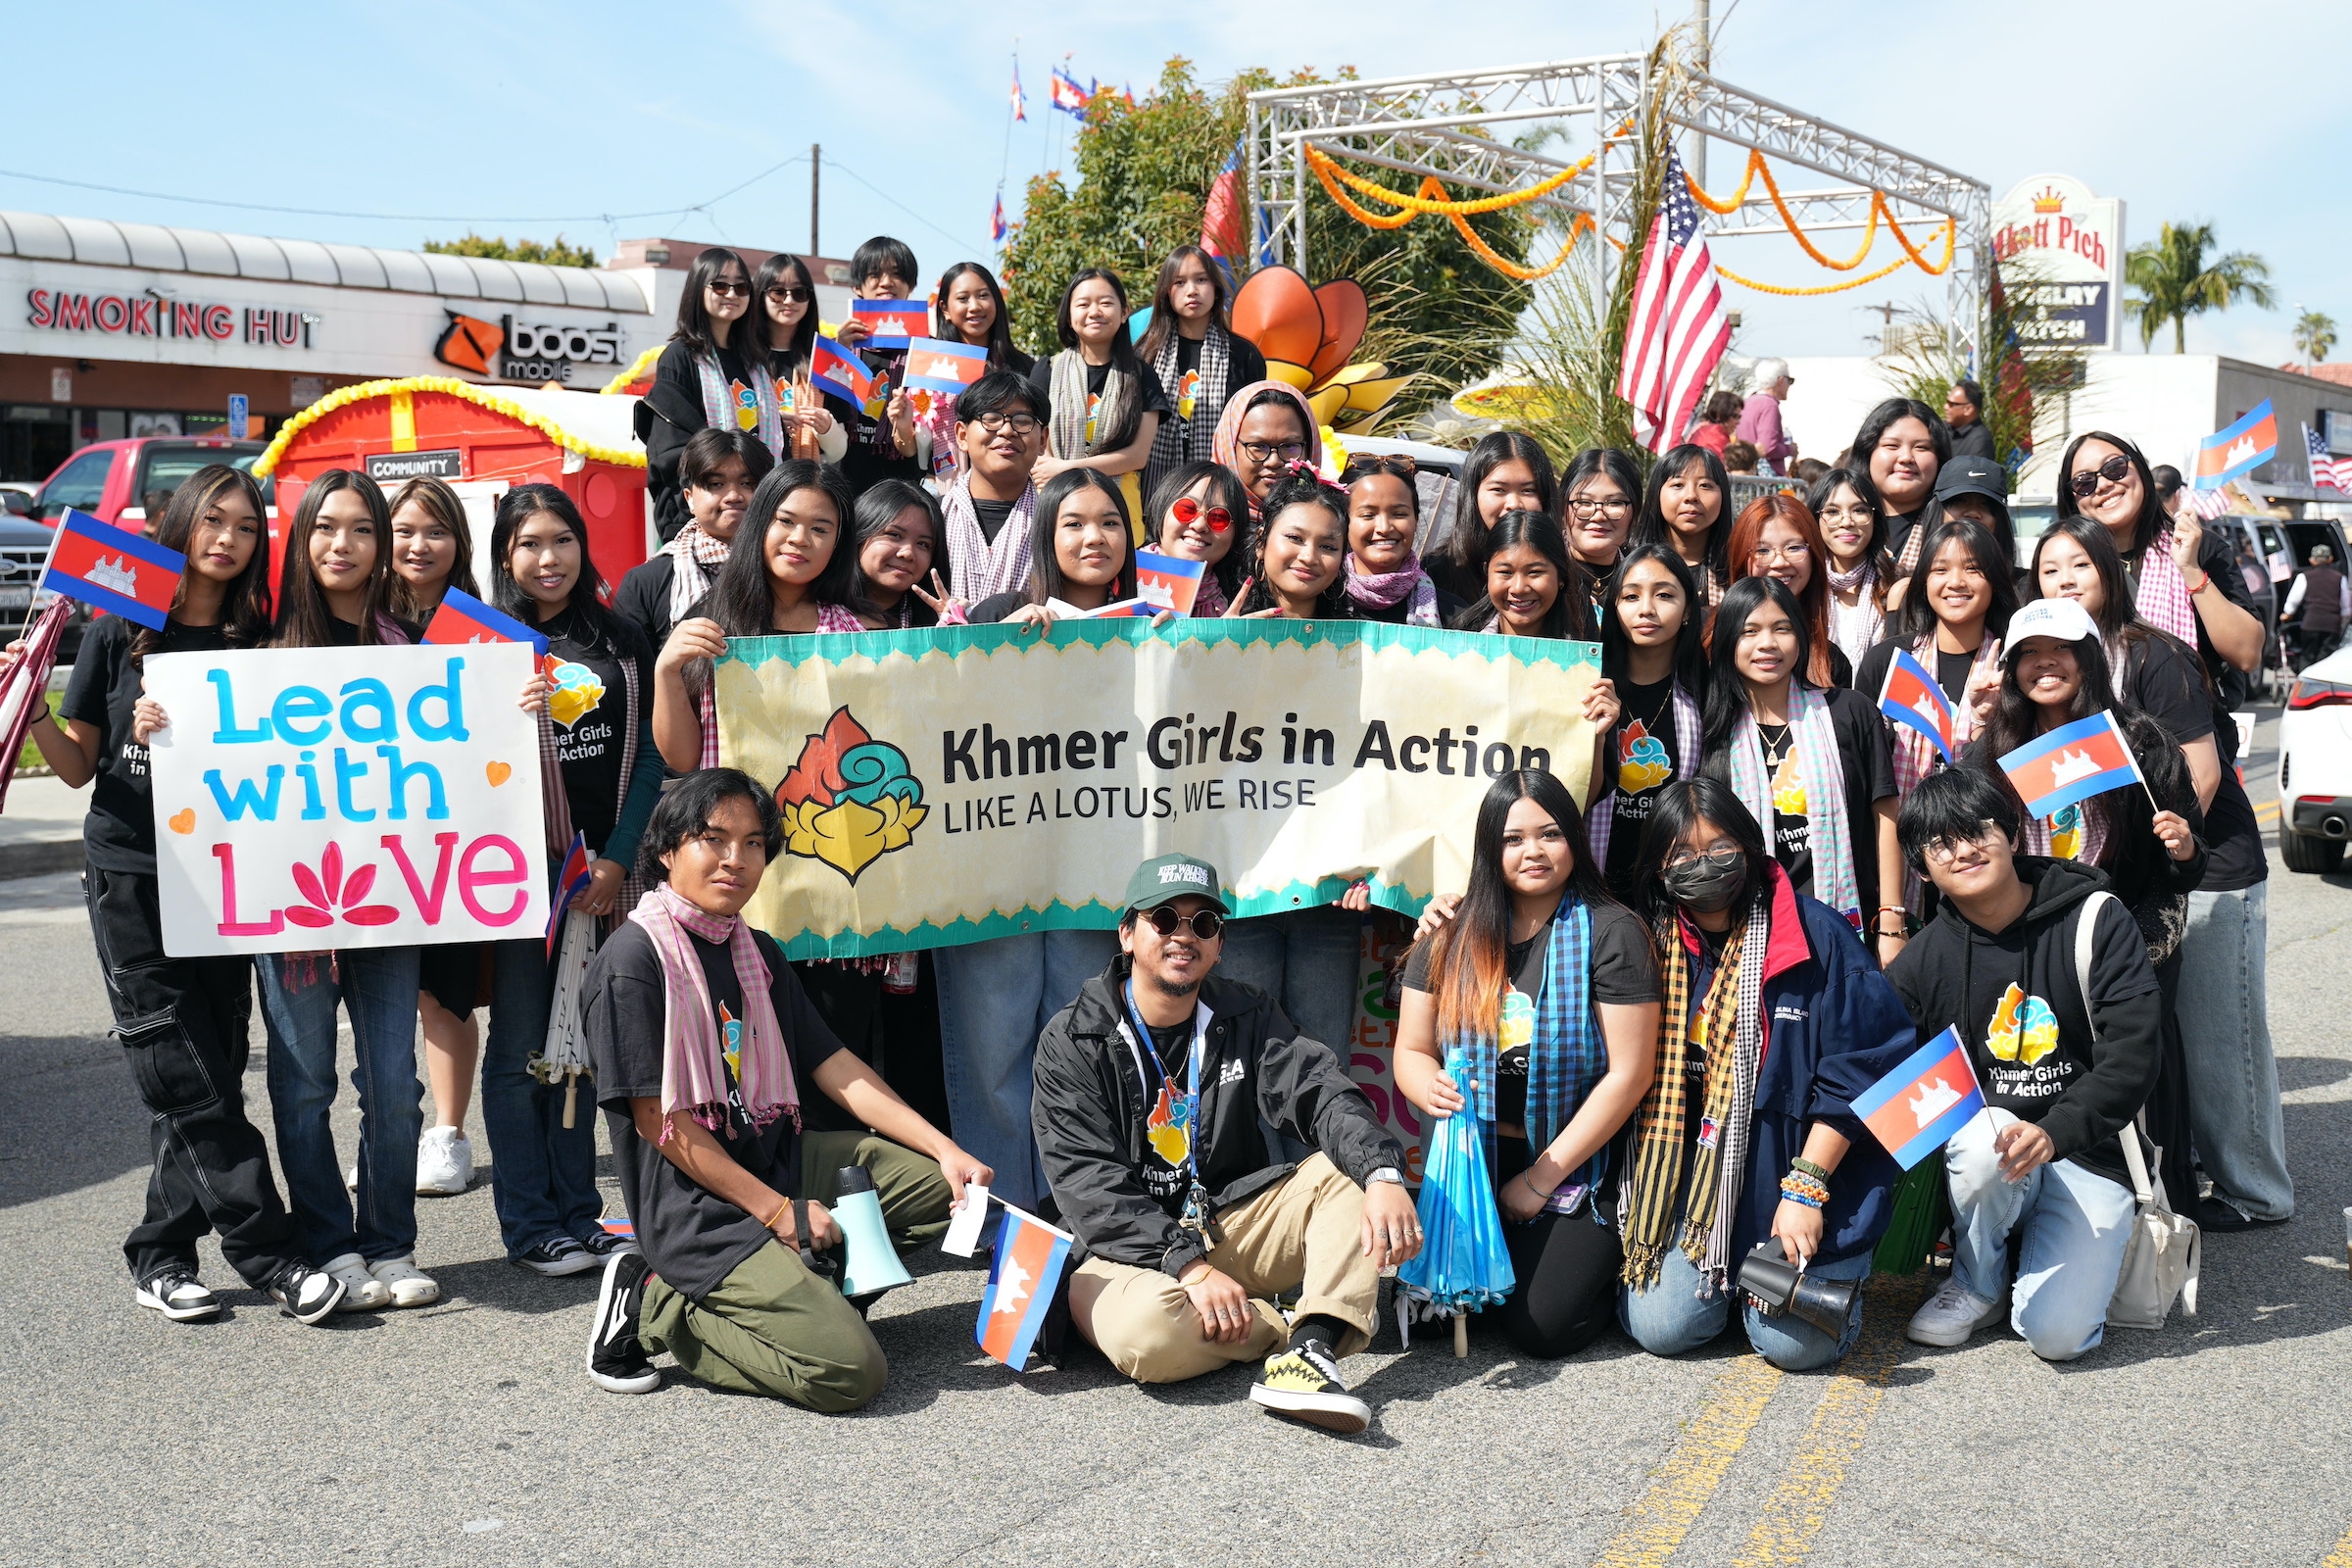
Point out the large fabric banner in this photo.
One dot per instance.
(957, 784)
(346, 798)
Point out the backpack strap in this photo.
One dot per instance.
(2087, 920)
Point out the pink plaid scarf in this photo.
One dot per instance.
(693, 1073)
(699, 558)
(1382, 589)
(980, 569)
(2161, 598)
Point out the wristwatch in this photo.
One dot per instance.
(1386, 1173)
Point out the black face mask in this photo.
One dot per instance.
(1705, 884)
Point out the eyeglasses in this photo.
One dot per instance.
(1858, 511)
(1260, 452)
(1945, 848)
(1402, 467)
(1187, 512)
(1020, 425)
(1794, 550)
(784, 295)
(1613, 507)
(719, 285)
(1204, 924)
(1722, 857)
(2112, 470)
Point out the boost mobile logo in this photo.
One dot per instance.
(850, 799)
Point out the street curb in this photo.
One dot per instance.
(40, 858)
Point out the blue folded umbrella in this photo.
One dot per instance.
(1463, 1265)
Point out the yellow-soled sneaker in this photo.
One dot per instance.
(1305, 1384)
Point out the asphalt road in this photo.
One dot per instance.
(467, 1431)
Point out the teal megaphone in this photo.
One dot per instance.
(874, 1263)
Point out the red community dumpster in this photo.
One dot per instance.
(484, 441)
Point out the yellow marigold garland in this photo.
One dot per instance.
(640, 367)
(1879, 212)
(344, 397)
(1950, 243)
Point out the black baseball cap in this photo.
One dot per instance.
(1165, 878)
(1968, 475)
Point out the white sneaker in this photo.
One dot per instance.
(444, 1162)
(362, 1291)
(1954, 1313)
(351, 1177)
(406, 1284)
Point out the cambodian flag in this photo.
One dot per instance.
(996, 227)
(1022, 1283)
(894, 323)
(1166, 583)
(463, 619)
(568, 885)
(1020, 105)
(1069, 96)
(2245, 446)
(936, 365)
(1915, 1109)
(114, 569)
(837, 370)
(1911, 696)
(2086, 757)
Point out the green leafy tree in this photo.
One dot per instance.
(2315, 335)
(1144, 171)
(2174, 281)
(556, 252)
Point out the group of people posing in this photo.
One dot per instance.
(1667, 998)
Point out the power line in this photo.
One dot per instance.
(958, 239)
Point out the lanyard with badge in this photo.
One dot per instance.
(1196, 1216)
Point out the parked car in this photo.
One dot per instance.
(2314, 767)
(108, 478)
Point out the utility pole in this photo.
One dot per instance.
(816, 159)
(1885, 321)
(1697, 163)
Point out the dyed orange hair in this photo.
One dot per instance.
(1747, 530)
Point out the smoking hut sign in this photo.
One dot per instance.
(346, 798)
(952, 785)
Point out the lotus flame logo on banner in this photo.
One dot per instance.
(850, 799)
(346, 798)
(894, 323)
(114, 569)
(2240, 450)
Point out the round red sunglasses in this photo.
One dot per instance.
(1187, 510)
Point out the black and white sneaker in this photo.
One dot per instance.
(616, 1359)
(603, 1244)
(305, 1294)
(558, 1258)
(1305, 1384)
(179, 1294)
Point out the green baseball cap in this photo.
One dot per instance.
(1165, 878)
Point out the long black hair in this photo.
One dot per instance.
(304, 619)
(2152, 520)
(245, 598)
(694, 320)
(1884, 417)
(1650, 523)
(1468, 965)
(1856, 479)
(606, 631)
(1002, 355)
(1914, 618)
(441, 503)
(1046, 580)
(1679, 806)
(1726, 690)
(1299, 488)
(878, 508)
(1122, 358)
(741, 600)
(1689, 644)
(1163, 325)
(1571, 615)
(784, 359)
(1465, 548)
(2118, 618)
(1225, 489)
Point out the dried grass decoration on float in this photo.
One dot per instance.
(1309, 334)
(850, 799)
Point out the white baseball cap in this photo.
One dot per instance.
(2063, 618)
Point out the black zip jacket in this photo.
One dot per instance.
(1091, 1104)
(1954, 973)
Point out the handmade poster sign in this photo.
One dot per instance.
(955, 784)
(346, 798)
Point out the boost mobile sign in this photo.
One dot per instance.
(2071, 243)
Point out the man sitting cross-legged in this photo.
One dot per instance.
(1150, 1091)
(702, 1040)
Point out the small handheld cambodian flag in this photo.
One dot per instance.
(1167, 583)
(568, 884)
(2238, 450)
(837, 370)
(114, 569)
(1022, 1283)
(1915, 1109)
(463, 619)
(936, 365)
(894, 323)
(2086, 757)
(1911, 696)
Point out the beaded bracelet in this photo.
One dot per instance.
(1802, 1189)
(1819, 1173)
(1806, 1199)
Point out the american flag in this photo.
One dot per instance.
(1677, 330)
(2326, 468)
(2209, 504)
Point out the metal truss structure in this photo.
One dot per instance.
(1459, 128)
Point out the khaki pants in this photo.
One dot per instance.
(772, 1326)
(1305, 1232)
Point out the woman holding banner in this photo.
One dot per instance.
(183, 1023)
(712, 376)
(1654, 658)
(1774, 1021)
(1108, 403)
(1506, 471)
(1191, 346)
(1551, 987)
(1776, 536)
(785, 325)
(1384, 578)
(1266, 430)
(601, 775)
(1683, 510)
(1812, 763)
(1199, 511)
(1078, 540)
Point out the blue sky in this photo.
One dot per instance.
(514, 115)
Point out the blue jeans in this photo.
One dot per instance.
(2075, 1222)
(1677, 1314)
(541, 1173)
(2225, 1035)
(377, 987)
(995, 998)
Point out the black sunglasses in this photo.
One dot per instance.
(2087, 481)
(1204, 924)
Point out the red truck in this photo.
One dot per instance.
(108, 478)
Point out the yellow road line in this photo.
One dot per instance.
(1793, 1514)
(1711, 1440)
(2341, 1556)
(2267, 811)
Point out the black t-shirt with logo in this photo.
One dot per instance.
(1166, 1134)
(1866, 768)
(102, 692)
(589, 707)
(1647, 754)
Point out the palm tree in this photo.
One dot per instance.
(2315, 335)
(2174, 281)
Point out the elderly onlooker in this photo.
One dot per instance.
(1760, 417)
(1963, 412)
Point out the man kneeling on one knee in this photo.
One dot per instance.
(703, 1046)
(1150, 1088)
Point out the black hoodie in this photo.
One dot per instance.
(2046, 1070)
